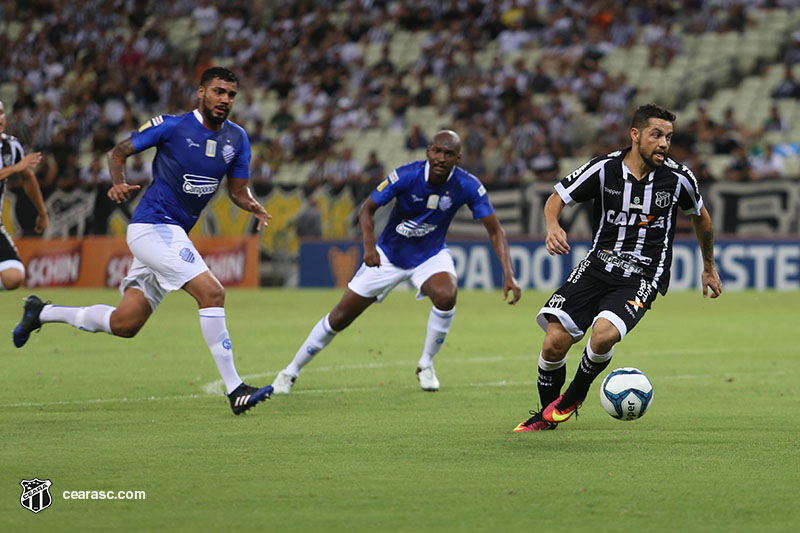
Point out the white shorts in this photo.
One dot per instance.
(371, 282)
(164, 260)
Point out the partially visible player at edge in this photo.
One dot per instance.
(427, 195)
(636, 193)
(195, 151)
(13, 161)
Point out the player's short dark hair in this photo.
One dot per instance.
(218, 72)
(647, 111)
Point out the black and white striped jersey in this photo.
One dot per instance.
(633, 221)
(10, 153)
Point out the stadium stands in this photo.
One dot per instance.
(721, 62)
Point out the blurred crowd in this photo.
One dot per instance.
(88, 72)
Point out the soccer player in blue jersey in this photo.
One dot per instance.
(427, 195)
(195, 151)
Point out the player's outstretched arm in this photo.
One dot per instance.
(556, 240)
(366, 218)
(240, 195)
(120, 191)
(705, 237)
(498, 237)
(27, 162)
(31, 186)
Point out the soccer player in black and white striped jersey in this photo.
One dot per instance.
(13, 161)
(636, 193)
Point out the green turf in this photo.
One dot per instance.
(357, 446)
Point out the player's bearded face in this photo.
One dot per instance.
(654, 142)
(216, 100)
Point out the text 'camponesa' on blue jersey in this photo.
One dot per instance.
(189, 166)
(422, 213)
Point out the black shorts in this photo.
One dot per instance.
(591, 293)
(8, 251)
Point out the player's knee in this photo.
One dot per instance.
(125, 330)
(444, 298)
(212, 296)
(217, 296)
(126, 327)
(556, 346)
(12, 279)
(604, 338)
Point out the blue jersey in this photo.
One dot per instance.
(188, 167)
(422, 213)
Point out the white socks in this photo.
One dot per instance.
(439, 323)
(93, 318)
(549, 366)
(598, 357)
(321, 335)
(215, 332)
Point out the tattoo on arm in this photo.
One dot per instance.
(116, 160)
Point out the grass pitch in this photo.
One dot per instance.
(358, 446)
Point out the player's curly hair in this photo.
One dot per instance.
(647, 111)
(218, 72)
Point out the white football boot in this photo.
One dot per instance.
(427, 378)
(283, 383)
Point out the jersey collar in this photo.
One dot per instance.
(198, 116)
(428, 170)
(627, 172)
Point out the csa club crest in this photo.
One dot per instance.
(663, 198)
(35, 494)
(228, 153)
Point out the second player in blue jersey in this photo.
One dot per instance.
(412, 248)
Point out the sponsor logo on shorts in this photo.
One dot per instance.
(578, 271)
(636, 304)
(556, 301)
(199, 185)
(409, 228)
(187, 255)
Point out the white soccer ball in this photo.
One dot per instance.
(626, 393)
